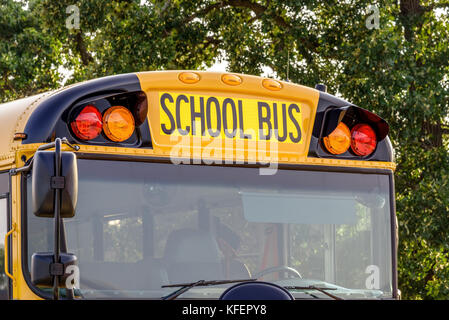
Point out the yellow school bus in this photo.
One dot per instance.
(192, 185)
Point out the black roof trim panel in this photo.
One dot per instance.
(44, 118)
(384, 151)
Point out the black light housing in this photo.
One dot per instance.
(329, 118)
(352, 115)
(94, 124)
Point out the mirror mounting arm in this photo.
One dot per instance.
(57, 207)
(26, 168)
(53, 144)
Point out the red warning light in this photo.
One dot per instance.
(363, 140)
(88, 124)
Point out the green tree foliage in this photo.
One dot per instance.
(29, 58)
(400, 70)
(3, 277)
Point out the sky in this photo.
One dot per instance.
(221, 67)
(218, 66)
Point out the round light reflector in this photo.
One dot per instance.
(118, 123)
(339, 140)
(88, 123)
(363, 140)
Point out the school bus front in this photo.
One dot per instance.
(185, 176)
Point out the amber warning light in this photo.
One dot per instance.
(339, 140)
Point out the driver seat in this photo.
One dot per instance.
(192, 255)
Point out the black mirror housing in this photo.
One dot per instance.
(41, 264)
(44, 183)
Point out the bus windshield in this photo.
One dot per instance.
(141, 225)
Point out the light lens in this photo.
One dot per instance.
(189, 77)
(339, 140)
(272, 85)
(363, 140)
(231, 79)
(88, 123)
(118, 123)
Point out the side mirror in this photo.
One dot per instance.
(54, 195)
(42, 273)
(44, 183)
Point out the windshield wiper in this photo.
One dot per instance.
(200, 283)
(320, 289)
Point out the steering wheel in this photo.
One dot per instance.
(288, 269)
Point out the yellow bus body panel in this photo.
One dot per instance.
(246, 95)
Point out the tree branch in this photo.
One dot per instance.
(430, 274)
(259, 10)
(86, 57)
(204, 11)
